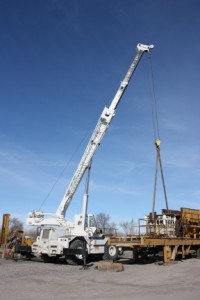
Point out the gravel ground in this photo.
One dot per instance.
(27, 280)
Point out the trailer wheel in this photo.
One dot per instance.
(76, 259)
(111, 252)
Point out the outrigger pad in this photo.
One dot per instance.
(109, 266)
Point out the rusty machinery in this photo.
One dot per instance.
(183, 223)
(4, 230)
(14, 242)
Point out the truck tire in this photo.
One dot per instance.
(111, 253)
(76, 259)
(49, 259)
(198, 253)
(45, 258)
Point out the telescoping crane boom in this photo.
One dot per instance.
(39, 218)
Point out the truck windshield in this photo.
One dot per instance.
(45, 233)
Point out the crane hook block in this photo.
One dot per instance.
(157, 143)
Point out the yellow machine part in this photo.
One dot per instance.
(190, 215)
(4, 230)
(24, 240)
(190, 219)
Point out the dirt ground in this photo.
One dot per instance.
(27, 280)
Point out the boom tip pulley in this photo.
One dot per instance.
(142, 47)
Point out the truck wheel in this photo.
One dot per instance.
(49, 259)
(76, 259)
(45, 258)
(111, 252)
(198, 253)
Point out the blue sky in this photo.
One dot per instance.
(61, 63)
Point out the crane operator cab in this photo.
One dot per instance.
(90, 225)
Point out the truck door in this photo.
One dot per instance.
(44, 240)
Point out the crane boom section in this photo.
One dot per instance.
(99, 131)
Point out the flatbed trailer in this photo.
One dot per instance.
(170, 247)
(172, 233)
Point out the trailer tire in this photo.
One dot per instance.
(111, 252)
(76, 259)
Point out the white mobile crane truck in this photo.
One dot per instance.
(59, 237)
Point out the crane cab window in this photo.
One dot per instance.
(45, 233)
(91, 222)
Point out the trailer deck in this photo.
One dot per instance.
(171, 247)
(173, 232)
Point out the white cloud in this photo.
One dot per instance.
(185, 157)
(15, 177)
(116, 188)
(173, 125)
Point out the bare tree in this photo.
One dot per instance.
(112, 229)
(15, 224)
(103, 222)
(32, 233)
(128, 227)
